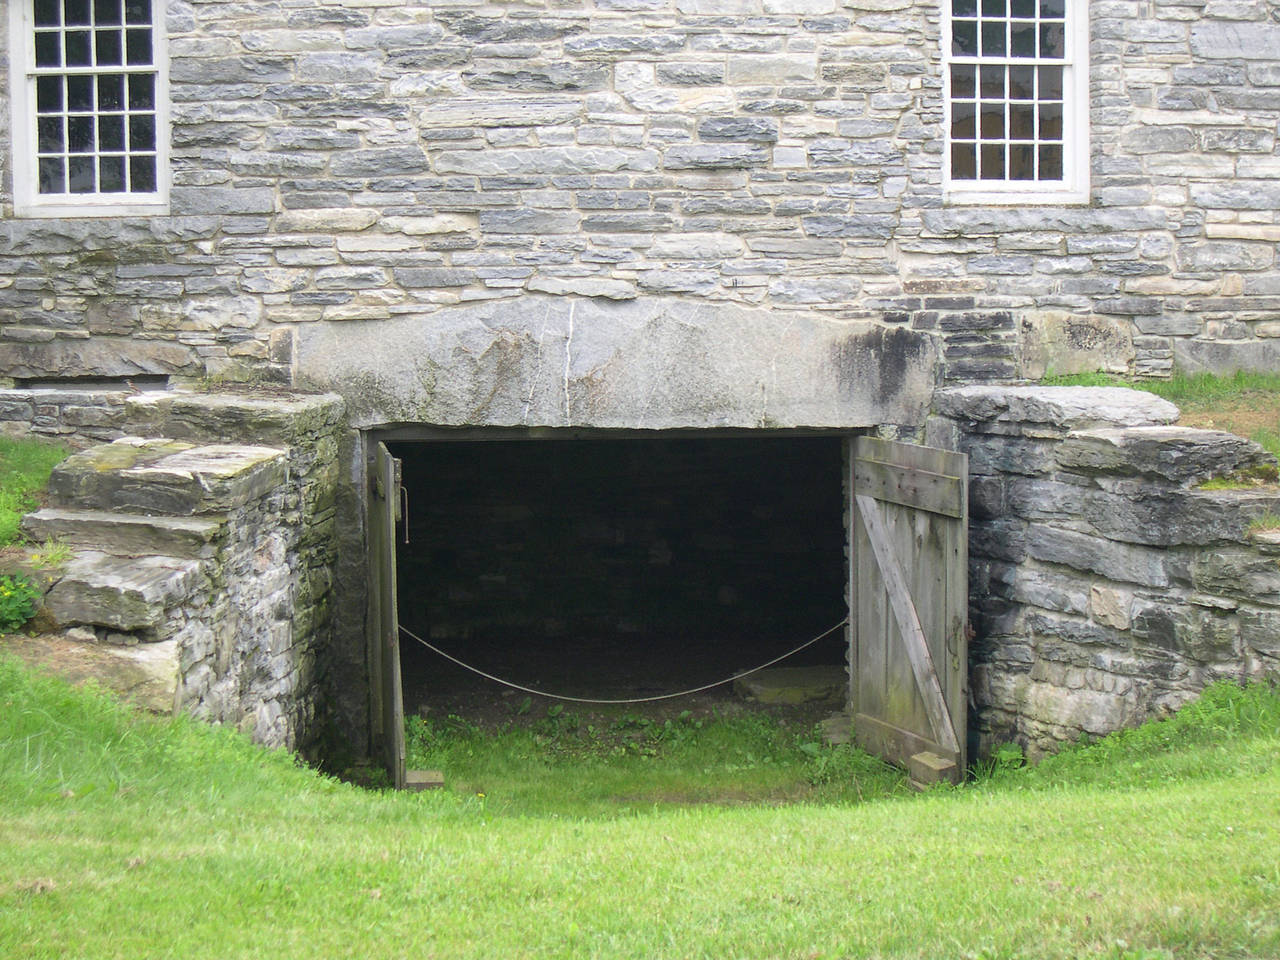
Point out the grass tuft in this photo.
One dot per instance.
(25, 466)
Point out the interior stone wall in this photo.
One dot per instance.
(1107, 587)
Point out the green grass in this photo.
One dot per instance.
(126, 837)
(614, 766)
(25, 466)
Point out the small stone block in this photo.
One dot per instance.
(416, 780)
(927, 768)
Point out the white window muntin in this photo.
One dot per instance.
(1073, 187)
(111, 114)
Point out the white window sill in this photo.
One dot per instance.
(1009, 198)
(59, 210)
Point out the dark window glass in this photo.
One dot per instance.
(1050, 83)
(80, 93)
(142, 174)
(106, 13)
(1022, 121)
(992, 125)
(964, 161)
(111, 91)
(80, 134)
(142, 132)
(993, 39)
(1022, 163)
(79, 48)
(142, 91)
(1022, 83)
(962, 81)
(109, 49)
(51, 175)
(1050, 121)
(111, 174)
(994, 8)
(81, 174)
(964, 8)
(992, 161)
(1023, 8)
(1051, 9)
(1051, 162)
(49, 134)
(48, 50)
(992, 79)
(76, 12)
(962, 121)
(1052, 40)
(139, 47)
(137, 11)
(111, 133)
(1022, 39)
(964, 38)
(48, 94)
(47, 13)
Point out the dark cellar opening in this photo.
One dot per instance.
(612, 568)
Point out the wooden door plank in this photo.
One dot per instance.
(911, 487)
(387, 505)
(914, 643)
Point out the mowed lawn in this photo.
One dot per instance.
(135, 838)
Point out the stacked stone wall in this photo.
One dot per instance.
(1106, 586)
(342, 164)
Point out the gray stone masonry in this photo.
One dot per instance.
(1106, 586)
(340, 168)
(216, 556)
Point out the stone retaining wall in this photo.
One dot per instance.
(343, 165)
(1106, 587)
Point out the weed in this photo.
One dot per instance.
(18, 596)
(1267, 521)
(52, 553)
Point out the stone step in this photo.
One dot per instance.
(125, 534)
(1183, 455)
(146, 674)
(121, 593)
(166, 477)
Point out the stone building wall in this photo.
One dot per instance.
(1106, 587)
(342, 165)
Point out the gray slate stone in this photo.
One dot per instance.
(1058, 408)
(123, 593)
(122, 534)
(1180, 455)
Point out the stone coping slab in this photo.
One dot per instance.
(123, 593)
(1183, 455)
(276, 416)
(165, 476)
(1055, 410)
(124, 534)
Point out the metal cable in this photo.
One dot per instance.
(665, 696)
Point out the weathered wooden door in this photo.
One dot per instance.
(909, 605)
(387, 703)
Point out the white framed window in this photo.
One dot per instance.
(1016, 98)
(89, 95)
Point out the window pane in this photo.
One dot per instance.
(139, 47)
(1022, 162)
(1022, 82)
(992, 83)
(51, 170)
(49, 134)
(1022, 42)
(993, 39)
(137, 11)
(81, 172)
(964, 162)
(79, 53)
(964, 8)
(111, 174)
(1023, 8)
(47, 13)
(1022, 121)
(992, 161)
(1050, 83)
(110, 53)
(994, 8)
(142, 132)
(142, 91)
(106, 13)
(1050, 9)
(111, 91)
(1051, 121)
(77, 12)
(48, 94)
(111, 133)
(964, 38)
(1052, 40)
(48, 50)
(963, 126)
(1051, 163)
(142, 174)
(962, 82)
(992, 121)
(80, 134)
(80, 93)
